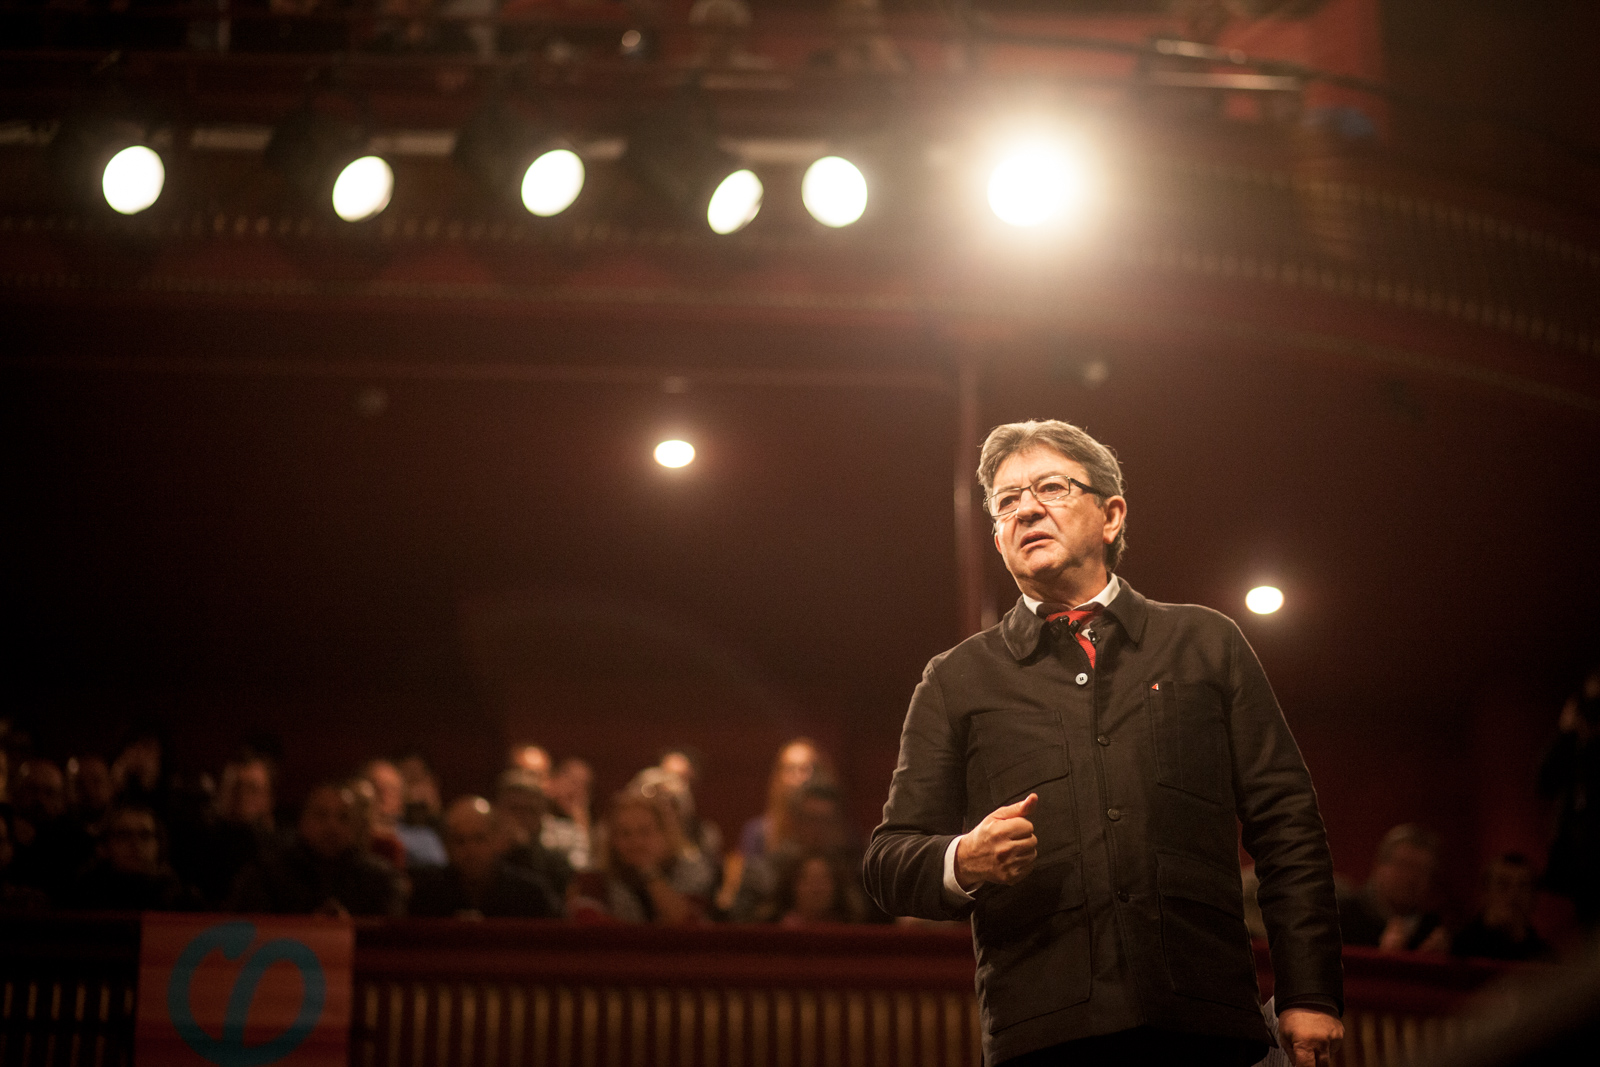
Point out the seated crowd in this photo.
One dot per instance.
(125, 835)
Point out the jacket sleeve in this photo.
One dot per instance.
(904, 866)
(1283, 831)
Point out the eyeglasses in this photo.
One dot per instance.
(1046, 489)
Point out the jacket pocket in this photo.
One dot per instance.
(1191, 740)
(1033, 945)
(1203, 935)
(1018, 749)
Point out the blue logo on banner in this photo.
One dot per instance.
(231, 939)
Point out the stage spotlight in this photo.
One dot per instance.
(324, 158)
(99, 157)
(133, 179)
(835, 191)
(736, 201)
(674, 453)
(512, 156)
(1264, 599)
(676, 154)
(363, 188)
(1038, 181)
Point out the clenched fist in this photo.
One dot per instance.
(1001, 848)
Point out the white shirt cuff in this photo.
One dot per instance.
(952, 888)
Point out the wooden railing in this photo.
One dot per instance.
(445, 993)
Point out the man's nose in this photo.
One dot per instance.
(1029, 505)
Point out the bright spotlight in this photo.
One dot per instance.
(835, 191)
(133, 179)
(363, 189)
(1035, 182)
(735, 203)
(1264, 599)
(674, 453)
(552, 182)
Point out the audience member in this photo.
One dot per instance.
(814, 826)
(816, 887)
(685, 762)
(420, 845)
(138, 772)
(570, 793)
(14, 896)
(90, 789)
(375, 837)
(1393, 910)
(51, 846)
(648, 873)
(534, 759)
(798, 762)
(324, 870)
(239, 830)
(524, 811)
(1570, 775)
(130, 872)
(1503, 930)
(478, 882)
(423, 804)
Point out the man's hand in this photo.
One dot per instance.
(1001, 848)
(1309, 1037)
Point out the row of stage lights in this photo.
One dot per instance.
(1032, 181)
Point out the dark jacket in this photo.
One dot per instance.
(297, 881)
(1133, 914)
(513, 893)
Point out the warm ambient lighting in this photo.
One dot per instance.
(363, 189)
(133, 180)
(674, 453)
(552, 182)
(1036, 182)
(734, 204)
(834, 191)
(1264, 599)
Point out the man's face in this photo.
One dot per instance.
(1041, 543)
(470, 839)
(1405, 878)
(328, 823)
(131, 843)
(523, 807)
(389, 789)
(253, 801)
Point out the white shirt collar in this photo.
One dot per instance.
(1103, 598)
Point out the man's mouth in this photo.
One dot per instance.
(1033, 538)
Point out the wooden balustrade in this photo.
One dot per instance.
(445, 993)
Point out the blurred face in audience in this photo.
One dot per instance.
(41, 789)
(679, 764)
(92, 787)
(1508, 894)
(524, 807)
(248, 792)
(796, 766)
(816, 824)
(422, 788)
(637, 838)
(328, 822)
(1405, 878)
(535, 760)
(132, 844)
(471, 839)
(571, 786)
(389, 789)
(814, 890)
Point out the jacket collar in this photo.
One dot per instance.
(1021, 628)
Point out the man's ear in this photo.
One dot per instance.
(1116, 514)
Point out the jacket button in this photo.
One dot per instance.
(1114, 814)
(1122, 895)
(1082, 679)
(1103, 739)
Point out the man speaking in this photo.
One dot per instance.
(1075, 780)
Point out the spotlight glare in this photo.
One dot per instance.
(735, 203)
(674, 453)
(552, 182)
(363, 189)
(133, 179)
(1264, 599)
(834, 191)
(1035, 182)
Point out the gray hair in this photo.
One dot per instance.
(1098, 461)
